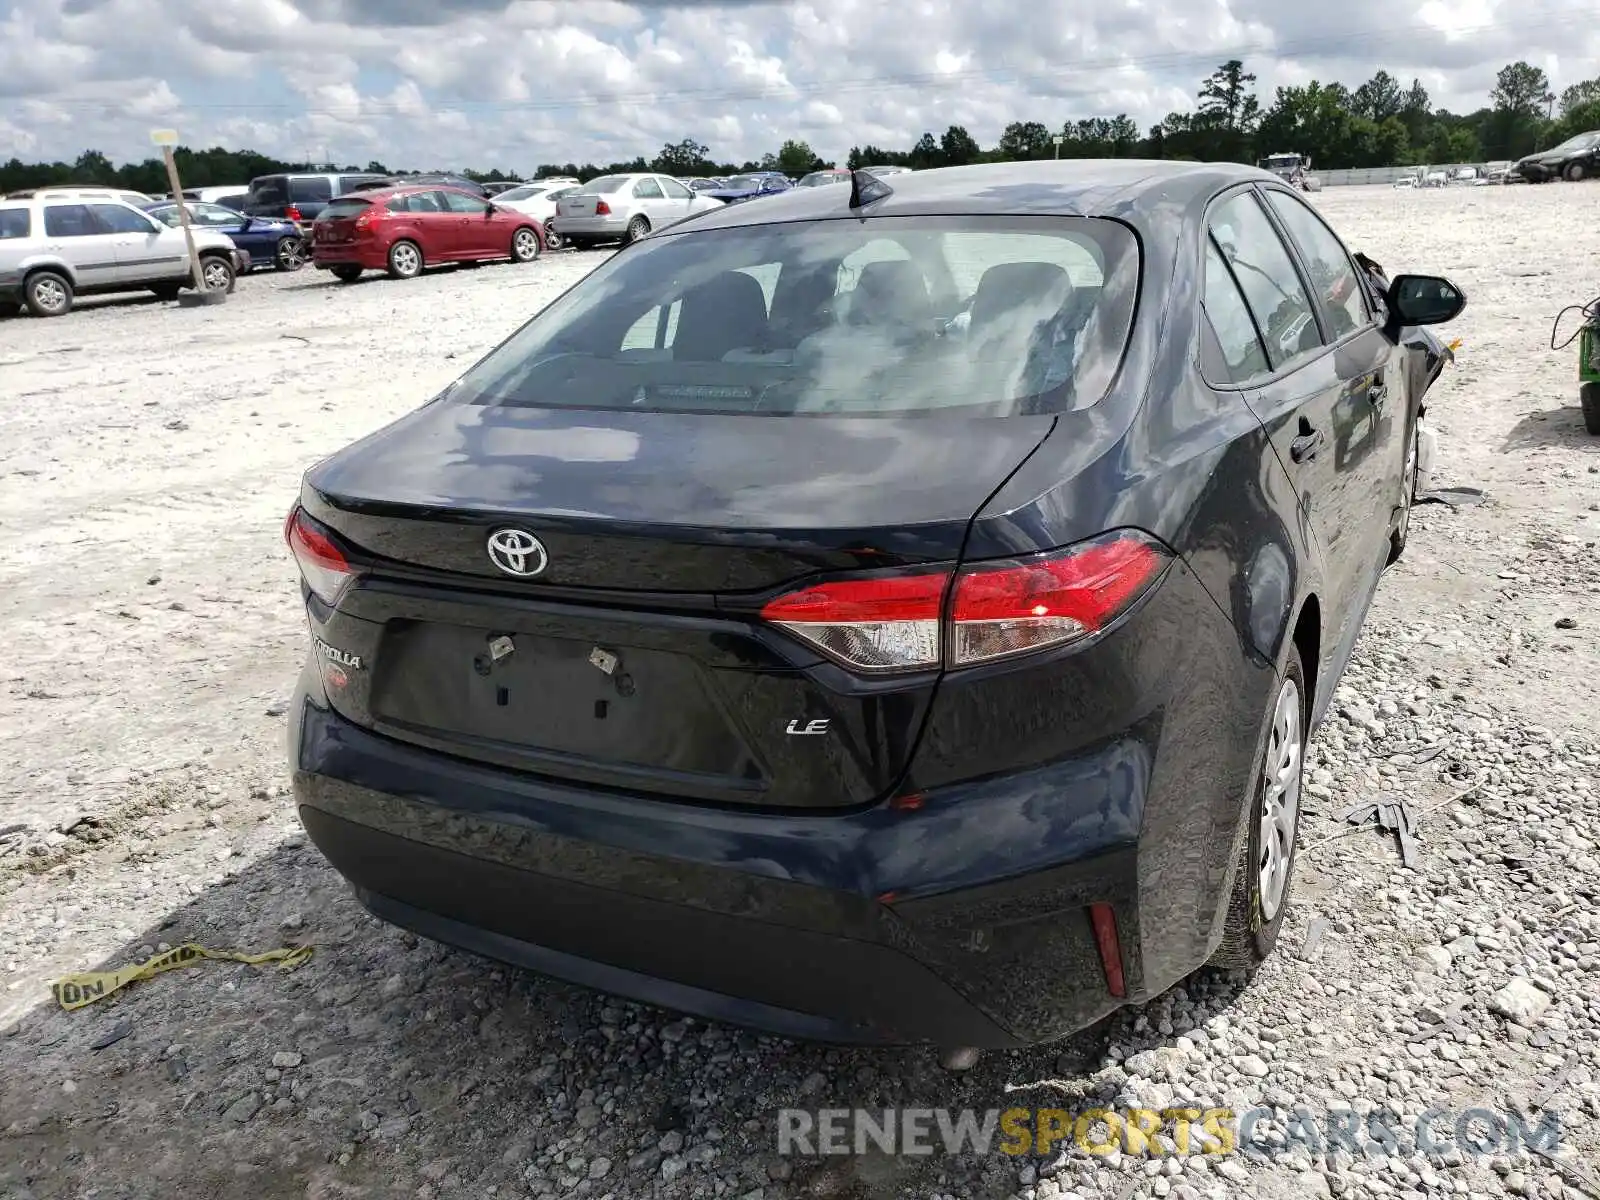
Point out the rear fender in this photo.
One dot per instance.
(48, 262)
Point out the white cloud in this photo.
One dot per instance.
(455, 83)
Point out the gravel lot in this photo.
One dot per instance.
(147, 457)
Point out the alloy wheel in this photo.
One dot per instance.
(291, 254)
(50, 295)
(1279, 809)
(525, 245)
(216, 275)
(405, 258)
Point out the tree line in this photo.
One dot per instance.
(1378, 124)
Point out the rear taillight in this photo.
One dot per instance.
(292, 213)
(364, 221)
(993, 610)
(889, 623)
(602, 209)
(323, 565)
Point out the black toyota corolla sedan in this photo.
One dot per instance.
(888, 613)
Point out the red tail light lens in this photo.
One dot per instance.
(994, 610)
(367, 217)
(1004, 609)
(885, 624)
(292, 213)
(326, 570)
(602, 209)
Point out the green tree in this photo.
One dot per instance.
(1379, 98)
(1521, 89)
(1579, 95)
(957, 147)
(1025, 139)
(94, 167)
(798, 158)
(1228, 98)
(687, 157)
(924, 154)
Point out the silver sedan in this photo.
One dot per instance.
(625, 208)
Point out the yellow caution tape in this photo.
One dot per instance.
(75, 991)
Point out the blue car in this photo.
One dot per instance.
(748, 187)
(269, 241)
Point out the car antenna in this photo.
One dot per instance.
(865, 187)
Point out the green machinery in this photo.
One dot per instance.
(1588, 339)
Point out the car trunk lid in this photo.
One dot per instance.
(338, 221)
(637, 658)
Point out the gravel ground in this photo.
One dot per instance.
(152, 633)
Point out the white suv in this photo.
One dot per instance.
(54, 249)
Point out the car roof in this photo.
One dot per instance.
(402, 189)
(1067, 187)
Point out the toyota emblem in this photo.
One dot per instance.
(517, 552)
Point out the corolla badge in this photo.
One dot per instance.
(517, 552)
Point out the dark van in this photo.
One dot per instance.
(299, 197)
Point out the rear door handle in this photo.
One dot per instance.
(1306, 446)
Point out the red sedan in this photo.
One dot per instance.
(403, 229)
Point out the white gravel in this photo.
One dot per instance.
(147, 457)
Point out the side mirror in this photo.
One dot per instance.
(1425, 299)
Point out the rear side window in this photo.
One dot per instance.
(1332, 273)
(1268, 278)
(69, 220)
(15, 223)
(982, 316)
(270, 189)
(1231, 320)
(310, 189)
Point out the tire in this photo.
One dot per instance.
(525, 244)
(1251, 927)
(347, 272)
(1574, 172)
(290, 254)
(48, 294)
(218, 273)
(167, 291)
(405, 260)
(1408, 496)
(1589, 397)
(637, 228)
(552, 239)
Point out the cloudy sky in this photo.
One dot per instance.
(485, 83)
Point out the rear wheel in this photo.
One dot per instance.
(347, 273)
(1575, 171)
(1589, 397)
(291, 254)
(48, 294)
(552, 239)
(637, 228)
(405, 260)
(217, 272)
(524, 245)
(1266, 869)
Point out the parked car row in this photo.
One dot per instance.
(55, 247)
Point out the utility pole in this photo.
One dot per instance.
(167, 139)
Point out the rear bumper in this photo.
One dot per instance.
(963, 922)
(597, 227)
(338, 254)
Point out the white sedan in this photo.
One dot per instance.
(537, 200)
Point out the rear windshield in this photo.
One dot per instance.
(13, 223)
(346, 207)
(270, 189)
(605, 185)
(895, 316)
